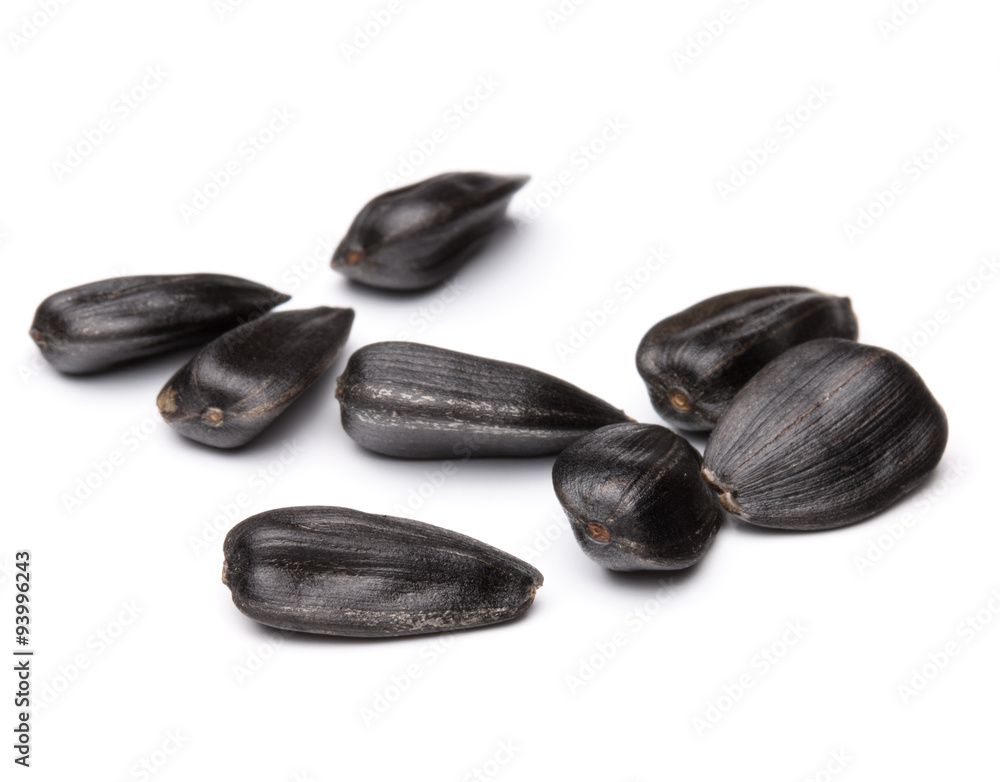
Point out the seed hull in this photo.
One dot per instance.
(337, 571)
(828, 434)
(694, 362)
(418, 236)
(240, 383)
(416, 401)
(94, 327)
(635, 499)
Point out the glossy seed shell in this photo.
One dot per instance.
(635, 498)
(342, 572)
(417, 401)
(419, 235)
(829, 433)
(100, 325)
(694, 362)
(237, 385)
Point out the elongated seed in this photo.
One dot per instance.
(338, 571)
(694, 362)
(100, 325)
(417, 401)
(419, 235)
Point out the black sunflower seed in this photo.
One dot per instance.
(635, 498)
(829, 433)
(96, 326)
(237, 385)
(419, 235)
(694, 362)
(417, 401)
(342, 572)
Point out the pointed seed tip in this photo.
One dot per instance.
(730, 503)
(598, 532)
(166, 401)
(213, 416)
(679, 399)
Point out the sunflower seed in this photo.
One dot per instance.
(635, 498)
(417, 401)
(829, 433)
(342, 572)
(694, 362)
(237, 385)
(96, 326)
(419, 235)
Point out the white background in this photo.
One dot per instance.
(249, 704)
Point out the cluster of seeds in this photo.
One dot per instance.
(809, 428)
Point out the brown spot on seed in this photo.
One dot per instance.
(354, 257)
(679, 399)
(213, 416)
(730, 503)
(167, 401)
(598, 532)
(726, 497)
